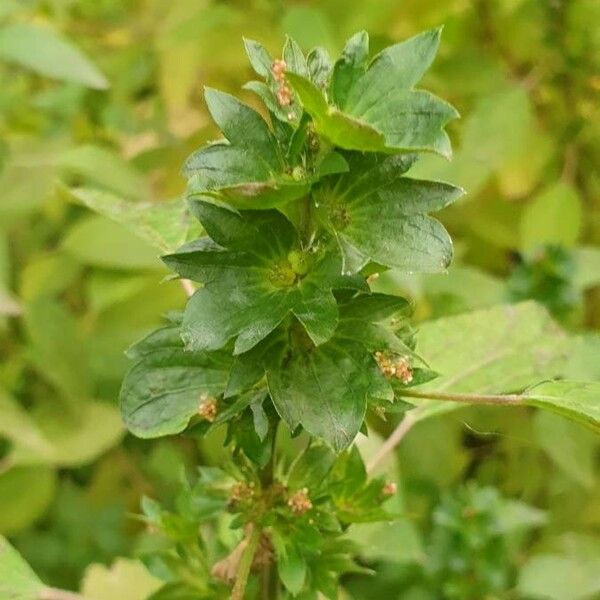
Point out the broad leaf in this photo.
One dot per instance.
(377, 214)
(378, 110)
(46, 53)
(17, 579)
(497, 350)
(324, 390)
(246, 169)
(165, 388)
(165, 225)
(254, 273)
(576, 400)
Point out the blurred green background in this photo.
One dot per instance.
(499, 504)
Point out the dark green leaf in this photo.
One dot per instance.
(381, 110)
(46, 53)
(350, 67)
(378, 215)
(251, 287)
(165, 389)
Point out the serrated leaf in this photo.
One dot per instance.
(49, 54)
(377, 214)
(250, 287)
(164, 389)
(324, 390)
(17, 579)
(381, 111)
(165, 225)
(247, 169)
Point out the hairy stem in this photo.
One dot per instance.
(241, 579)
(466, 398)
(412, 417)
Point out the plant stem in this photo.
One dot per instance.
(466, 398)
(412, 417)
(241, 579)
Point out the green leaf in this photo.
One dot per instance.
(377, 214)
(310, 468)
(568, 446)
(496, 350)
(291, 565)
(552, 217)
(56, 348)
(246, 170)
(556, 577)
(47, 53)
(164, 225)
(576, 400)
(17, 579)
(104, 168)
(125, 579)
(165, 388)
(73, 438)
(349, 68)
(381, 111)
(25, 493)
(259, 57)
(324, 389)
(99, 242)
(249, 289)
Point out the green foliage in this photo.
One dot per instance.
(356, 191)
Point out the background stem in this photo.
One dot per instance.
(241, 579)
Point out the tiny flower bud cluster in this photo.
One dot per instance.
(240, 492)
(299, 502)
(284, 94)
(397, 367)
(389, 489)
(208, 408)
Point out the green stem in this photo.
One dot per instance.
(241, 579)
(501, 399)
(412, 417)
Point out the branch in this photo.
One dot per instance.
(412, 417)
(239, 587)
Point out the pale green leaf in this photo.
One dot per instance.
(164, 225)
(25, 493)
(556, 577)
(47, 53)
(496, 350)
(125, 579)
(105, 168)
(576, 400)
(99, 242)
(17, 579)
(552, 217)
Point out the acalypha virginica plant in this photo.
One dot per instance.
(282, 334)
